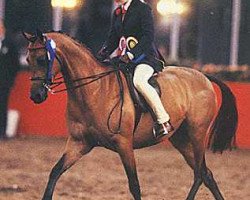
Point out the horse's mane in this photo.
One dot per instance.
(76, 42)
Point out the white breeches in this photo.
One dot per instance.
(143, 73)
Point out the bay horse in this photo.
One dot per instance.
(187, 95)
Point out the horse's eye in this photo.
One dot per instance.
(41, 61)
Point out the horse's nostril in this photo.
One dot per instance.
(38, 97)
(35, 97)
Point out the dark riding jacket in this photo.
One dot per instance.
(138, 23)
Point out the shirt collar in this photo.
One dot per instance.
(127, 4)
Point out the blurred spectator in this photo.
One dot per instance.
(8, 70)
(94, 23)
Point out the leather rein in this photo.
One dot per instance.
(51, 85)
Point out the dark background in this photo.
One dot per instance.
(205, 36)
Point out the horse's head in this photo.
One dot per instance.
(41, 55)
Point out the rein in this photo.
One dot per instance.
(51, 85)
(48, 79)
(91, 79)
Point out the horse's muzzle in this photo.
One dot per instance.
(39, 95)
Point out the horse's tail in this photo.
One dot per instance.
(223, 130)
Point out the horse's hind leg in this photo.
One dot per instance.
(190, 141)
(210, 183)
(73, 152)
(193, 151)
(200, 116)
(182, 141)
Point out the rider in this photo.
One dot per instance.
(132, 34)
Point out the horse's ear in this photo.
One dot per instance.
(39, 34)
(29, 37)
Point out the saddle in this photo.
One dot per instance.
(138, 99)
(141, 105)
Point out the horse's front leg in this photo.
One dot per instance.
(73, 152)
(125, 149)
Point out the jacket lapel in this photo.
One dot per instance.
(131, 7)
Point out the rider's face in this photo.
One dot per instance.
(2, 29)
(120, 1)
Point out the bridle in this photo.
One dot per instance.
(50, 85)
(48, 82)
(50, 48)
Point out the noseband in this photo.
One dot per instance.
(50, 48)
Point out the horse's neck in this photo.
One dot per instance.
(79, 63)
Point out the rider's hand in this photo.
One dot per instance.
(102, 54)
(124, 58)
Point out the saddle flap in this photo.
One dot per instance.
(138, 99)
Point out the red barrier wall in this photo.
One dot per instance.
(48, 118)
(242, 93)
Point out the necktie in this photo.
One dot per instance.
(123, 11)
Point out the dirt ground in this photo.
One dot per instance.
(25, 164)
